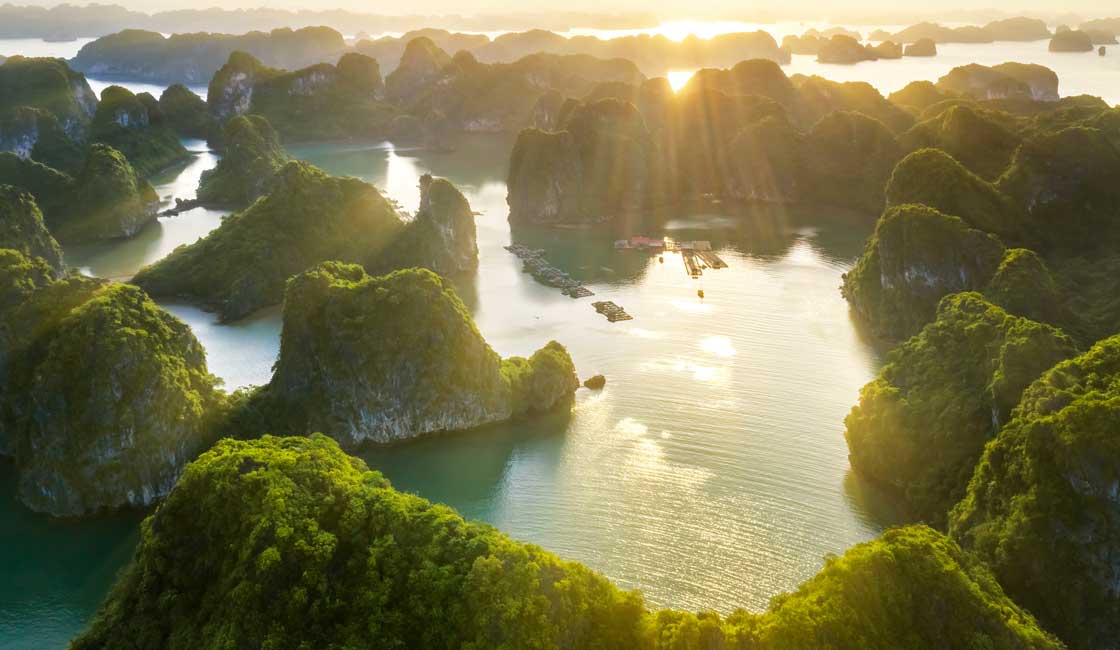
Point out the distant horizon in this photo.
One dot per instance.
(867, 13)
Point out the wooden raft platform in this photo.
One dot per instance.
(613, 312)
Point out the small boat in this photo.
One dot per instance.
(700, 292)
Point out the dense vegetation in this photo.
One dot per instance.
(309, 217)
(916, 256)
(921, 425)
(104, 396)
(290, 543)
(110, 199)
(185, 112)
(22, 229)
(49, 85)
(134, 125)
(1042, 508)
(252, 157)
(394, 357)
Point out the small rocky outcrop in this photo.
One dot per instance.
(365, 359)
(921, 47)
(22, 229)
(1072, 40)
(916, 256)
(595, 382)
(309, 217)
(252, 157)
(50, 85)
(921, 426)
(110, 200)
(845, 50)
(1044, 500)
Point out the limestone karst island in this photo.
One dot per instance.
(618, 325)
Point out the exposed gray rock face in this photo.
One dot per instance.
(104, 396)
(453, 243)
(390, 358)
(916, 257)
(231, 90)
(49, 85)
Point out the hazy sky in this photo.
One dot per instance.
(743, 9)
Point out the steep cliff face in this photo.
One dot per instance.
(22, 229)
(231, 89)
(325, 101)
(251, 159)
(921, 426)
(33, 133)
(133, 125)
(545, 178)
(1045, 500)
(382, 359)
(113, 406)
(916, 256)
(307, 218)
(598, 169)
(442, 236)
(1065, 183)
(934, 178)
(50, 85)
(20, 278)
(110, 200)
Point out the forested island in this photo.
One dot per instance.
(991, 270)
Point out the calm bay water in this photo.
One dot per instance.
(710, 473)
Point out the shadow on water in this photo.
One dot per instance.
(55, 571)
(876, 506)
(467, 470)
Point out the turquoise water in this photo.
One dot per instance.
(710, 473)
